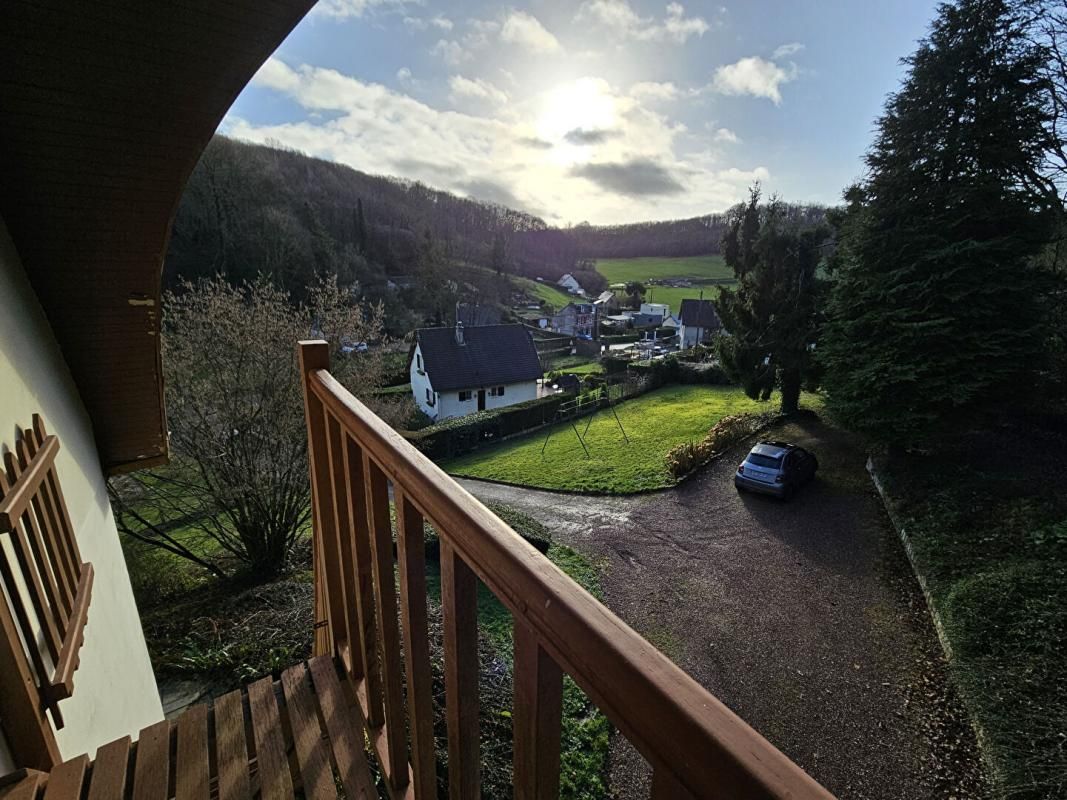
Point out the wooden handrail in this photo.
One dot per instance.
(694, 743)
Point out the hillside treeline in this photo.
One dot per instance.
(252, 209)
(696, 236)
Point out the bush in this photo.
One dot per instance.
(463, 434)
(613, 365)
(621, 338)
(726, 433)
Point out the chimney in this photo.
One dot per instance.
(459, 332)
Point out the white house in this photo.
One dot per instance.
(699, 323)
(656, 309)
(457, 371)
(569, 283)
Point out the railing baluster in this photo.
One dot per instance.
(385, 595)
(360, 542)
(459, 605)
(345, 564)
(66, 571)
(537, 718)
(324, 522)
(31, 521)
(411, 556)
(42, 608)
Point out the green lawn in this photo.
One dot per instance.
(623, 270)
(654, 423)
(545, 292)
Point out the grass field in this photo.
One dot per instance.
(654, 423)
(623, 270)
(545, 292)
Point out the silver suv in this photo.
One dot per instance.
(777, 468)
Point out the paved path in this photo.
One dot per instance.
(802, 617)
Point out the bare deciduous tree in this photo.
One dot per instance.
(237, 484)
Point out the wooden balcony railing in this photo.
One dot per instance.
(696, 746)
(44, 599)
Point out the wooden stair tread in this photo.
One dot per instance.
(273, 739)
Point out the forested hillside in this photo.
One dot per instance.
(250, 209)
(698, 236)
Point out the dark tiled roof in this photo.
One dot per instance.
(490, 355)
(699, 314)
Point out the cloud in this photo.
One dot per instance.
(343, 9)
(726, 135)
(785, 50)
(513, 153)
(651, 90)
(635, 178)
(491, 191)
(535, 142)
(582, 136)
(477, 89)
(424, 23)
(277, 75)
(451, 52)
(618, 17)
(752, 76)
(526, 31)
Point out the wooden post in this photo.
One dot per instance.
(329, 608)
(411, 554)
(537, 718)
(459, 604)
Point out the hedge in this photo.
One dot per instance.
(671, 370)
(621, 338)
(463, 434)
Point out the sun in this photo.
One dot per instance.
(585, 104)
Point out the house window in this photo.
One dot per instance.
(464, 396)
(418, 362)
(496, 391)
(429, 397)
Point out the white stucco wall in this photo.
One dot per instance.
(420, 383)
(449, 405)
(114, 688)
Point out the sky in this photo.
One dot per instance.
(602, 111)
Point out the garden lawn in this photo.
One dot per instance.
(654, 423)
(700, 268)
(545, 292)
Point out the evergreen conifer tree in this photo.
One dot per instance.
(935, 313)
(772, 315)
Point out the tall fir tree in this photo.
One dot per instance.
(773, 314)
(935, 310)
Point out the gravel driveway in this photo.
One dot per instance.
(803, 618)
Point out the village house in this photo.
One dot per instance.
(576, 319)
(699, 323)
(607, 303)
(570, 284)
(661, 310)
(457, 371)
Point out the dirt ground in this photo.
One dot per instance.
(803, 617)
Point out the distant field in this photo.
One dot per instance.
(623, 270)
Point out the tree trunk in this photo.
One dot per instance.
(790, 391)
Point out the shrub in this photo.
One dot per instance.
(613, 365)
(726, 433)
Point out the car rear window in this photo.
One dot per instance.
(764, 461)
